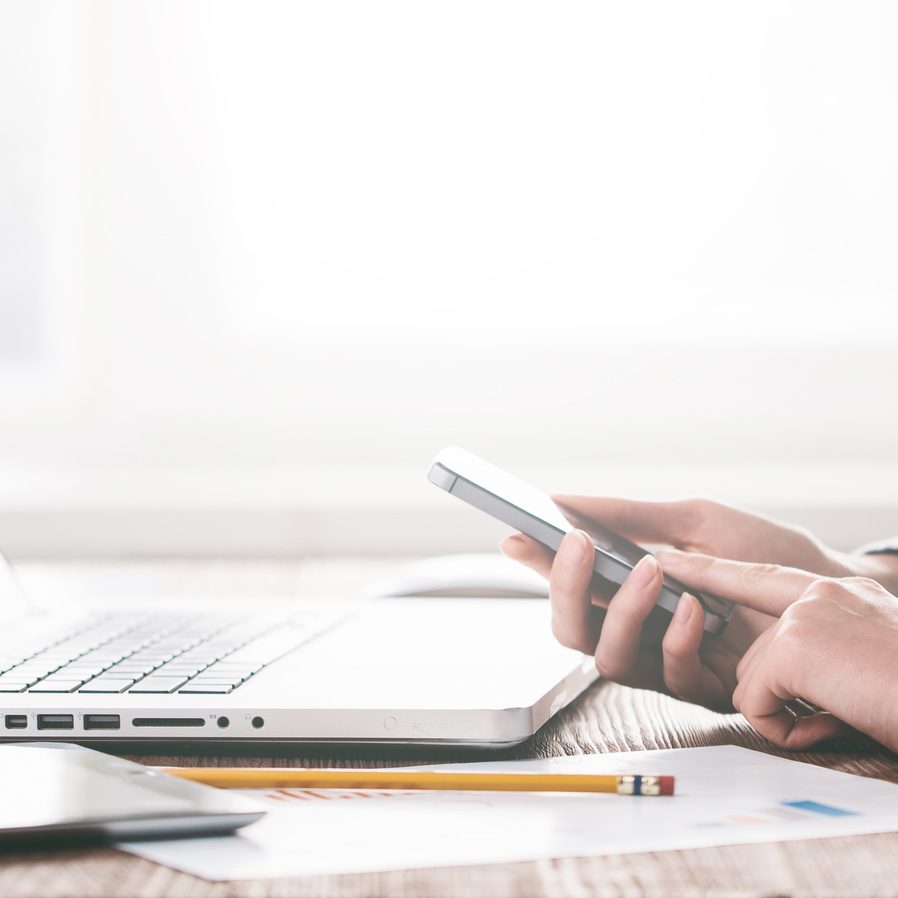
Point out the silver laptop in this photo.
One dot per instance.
(462, 671)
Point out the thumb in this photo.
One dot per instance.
(672, 523)
(785, 729)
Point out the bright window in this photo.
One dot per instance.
(324, 236)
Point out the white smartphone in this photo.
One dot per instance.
(532, 512)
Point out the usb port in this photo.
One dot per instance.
(102, 721)
(55, 722)
(16, 721)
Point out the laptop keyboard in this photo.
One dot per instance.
(149, 654)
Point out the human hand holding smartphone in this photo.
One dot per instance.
(633, 638)
(516, 503)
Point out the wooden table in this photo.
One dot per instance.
(607, 718)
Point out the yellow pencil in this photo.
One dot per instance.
(300, 778)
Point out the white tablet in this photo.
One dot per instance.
(57, 793)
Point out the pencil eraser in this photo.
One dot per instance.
(667, 785)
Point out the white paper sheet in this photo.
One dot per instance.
(725, 795)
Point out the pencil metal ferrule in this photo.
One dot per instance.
(634, 784)
(651, 785)
(628, 785)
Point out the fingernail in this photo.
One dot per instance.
(573, 548)
(683, 611)
(644, 572)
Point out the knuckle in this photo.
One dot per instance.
(704, 562)
(793, 614)
(821, 589)
(793, 625)
(756, 573)
(699, 510)
(827, 595)
(672, 648)
(627, 615)
(825, 586)
(862, 584)
(630, 608)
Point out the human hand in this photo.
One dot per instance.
(616, 632)
(700, 525)
(834, 647)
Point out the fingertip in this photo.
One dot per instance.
(518, 547)
(685, 673)
(645, 571)
(528, 552)
(513, 546)
(783, 729)
(684, 610)
(684, 633)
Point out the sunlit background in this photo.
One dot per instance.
(260, 261)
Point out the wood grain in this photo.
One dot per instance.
(607, 718)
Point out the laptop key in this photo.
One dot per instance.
(17, 676)
(155, 658)
(13, 687)
(51, 685)
(225, 676)
(195, 660)
(218, 681)
(106, 684)
(206, 689)
(145, 664)
(76, 673)
(159, 684)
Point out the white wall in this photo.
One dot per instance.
(330, 236)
